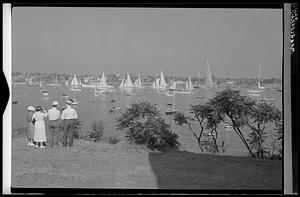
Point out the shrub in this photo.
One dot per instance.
(96, 131)
(19, 131)
(144, 125)
(112, 140)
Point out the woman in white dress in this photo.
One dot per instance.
(39, 126)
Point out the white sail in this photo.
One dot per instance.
(138, 82)
(259, 78)
(173, 85)
(208, 80)
(74, 81)
(163, 83)
(122, 83)
(128, 82)
(102, 83)
(157, 82)
(67, 83)
(189, 84)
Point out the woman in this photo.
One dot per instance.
(30, 125)
(39, 126)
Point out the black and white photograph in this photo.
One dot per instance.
(147, 98)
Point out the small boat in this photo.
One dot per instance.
(113, 100)
(75, 85)
(15, 102)
(255, 95)
(114, 108)
(170, 104)
(208, 133)
(44, 93)
(228, 126)
(172, 110)
(64, 96)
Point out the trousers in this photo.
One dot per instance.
(68, 132)
(54, 132)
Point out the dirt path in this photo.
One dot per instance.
(123, 165)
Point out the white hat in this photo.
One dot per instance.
(55, 103)
(30, 108)
(69, 102)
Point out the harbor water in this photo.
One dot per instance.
(92, 108)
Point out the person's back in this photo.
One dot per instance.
(54, 115)
(69, 116)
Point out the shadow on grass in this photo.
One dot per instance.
(184, 170)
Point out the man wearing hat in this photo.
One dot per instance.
(54, 115)
(69, 116)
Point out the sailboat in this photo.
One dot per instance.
(189, 85)
(75, 86)
(198, 81)
(172, 110)
(259, 89)
(56, 84)
(128, 82)
(67, 83)
(208, 79)
(162, 81)
(138, 83)
(228, 126)
(259, 76)
(122, 83)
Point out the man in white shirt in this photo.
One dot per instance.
(54, 115)
(69, 116)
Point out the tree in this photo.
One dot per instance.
(144, 125)
(238, 108)
(262, 114)
(207, 119)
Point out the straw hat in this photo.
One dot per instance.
(30, 108)
(69, 102)
(55, 103)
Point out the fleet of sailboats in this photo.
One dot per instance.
(128, 83)
(160, 83)
(138, 82)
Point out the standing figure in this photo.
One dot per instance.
(54, 115)
(39, 127)
(30, 125)
(69, 117)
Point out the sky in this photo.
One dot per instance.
(145, 40)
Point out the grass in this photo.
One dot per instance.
(123, 165)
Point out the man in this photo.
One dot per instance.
(54, 115)
(69, 116)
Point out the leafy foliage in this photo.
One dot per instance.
(262, 114)
(96, 131)
(207, 119)
(19, 132)
(144, 125)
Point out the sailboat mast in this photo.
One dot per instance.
(173, 105)
(259, 75)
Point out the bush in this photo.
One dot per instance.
(96, 131)
(144, 125)
(19, 131)
(112, 140)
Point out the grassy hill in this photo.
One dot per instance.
(123, 165)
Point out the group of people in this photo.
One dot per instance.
(36, 127)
